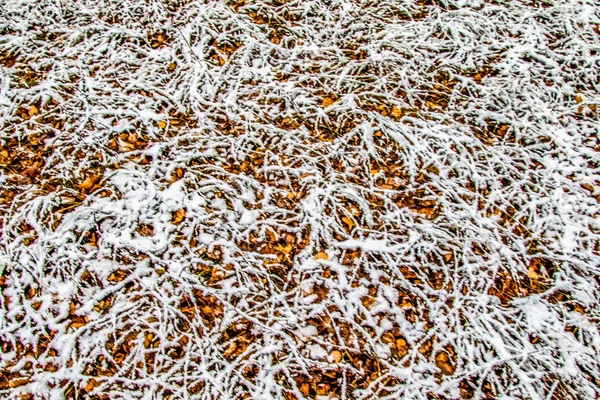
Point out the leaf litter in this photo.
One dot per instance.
(297, 200)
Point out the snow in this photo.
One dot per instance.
(436, 151)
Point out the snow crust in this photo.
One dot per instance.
(484, 203)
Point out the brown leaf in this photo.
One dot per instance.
(88, 183)
(532, 274)
(117, 276)
(327, 102)
(334, 357)
(401, 347)
(442, 361)
(304, 388)
(145, 229)
(32, 111)
(18, 382)
(348, 222)
(92, 383)
(178, 216)
(78, 322)
(287, 249)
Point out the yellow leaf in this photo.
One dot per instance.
(321, 256)
(287, 249)
(396, 112)
(334, 357)
(178, 216)
(532, 274)
(33, 111)
(349, 223)
(87, 183)
(162, 124)
(125, 146)
(327, 102)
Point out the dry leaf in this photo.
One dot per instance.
(162, 124)
(125, 146)
(532, 274)
(401, 347)
(92, 383)
(349, 223)
(18, 382)
(334, 357)
(287, 249)
(327, 102)
(32, 111)
(321, 256)
(87, 183)
(442, 361)
(305, 388)
(178, 216)
(78, 322)
(396, 112)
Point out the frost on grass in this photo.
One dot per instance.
(297, 200)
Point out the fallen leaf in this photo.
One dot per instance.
(287, 249)
(321, 256)
(327, 102)
(87, 183)
(305, 388)
(401, 347)
(32, 111)
(349, 223)
(396, 112)
(532, 274)
(323, 389)
(92, 383)
(178, 216)
(334, 357)
(78, 322)
(442, 361)
(18, 382)
(145, 229)
(162, 124)
(125, 146)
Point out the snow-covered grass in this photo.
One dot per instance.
(348, 199)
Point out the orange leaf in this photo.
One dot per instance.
(32, 111)
(321, 256)
(327, 102)
(396, 112)
(349, 223)
(178, 216)
(334, 357)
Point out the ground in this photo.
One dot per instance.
(322, 199)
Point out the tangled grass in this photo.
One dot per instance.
(343, 199)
